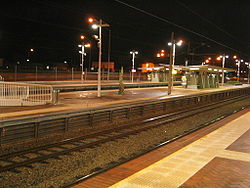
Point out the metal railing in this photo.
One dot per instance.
(23, 94)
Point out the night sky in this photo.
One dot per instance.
(53, 29)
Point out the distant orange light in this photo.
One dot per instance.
(158, 55)
(234, 56)
(162, 51)
(209, 58)
(32, 50)
(82, 37)
(88, 45)
(207, 61)
(162, 54)
(218, 58)
(90, 20)
(147, 65)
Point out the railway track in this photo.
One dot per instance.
(41, 126)
(13, 161)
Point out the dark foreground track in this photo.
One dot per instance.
(41, 154)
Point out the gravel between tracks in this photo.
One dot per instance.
(60, 172)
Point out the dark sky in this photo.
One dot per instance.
(53, 28)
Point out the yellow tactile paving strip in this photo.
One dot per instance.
(235, 155)
(177, 168)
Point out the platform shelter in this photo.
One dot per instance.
(193, 77)
(203, 76)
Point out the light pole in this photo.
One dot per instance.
(99, 24)
(161, 54)
(172, 45)
(82, 52)
(248, 75)
(36, 73)
(109, 48)
(223, 66)
(133, 63)
(16, 71)
(238, 64)
(31, 50)
(82, 59)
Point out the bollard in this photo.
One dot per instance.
(55, 96)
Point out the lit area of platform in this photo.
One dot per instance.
(88, 99)
(221, 158)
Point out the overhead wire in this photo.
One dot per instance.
(207, 20)
(49, 3)
(176, 25)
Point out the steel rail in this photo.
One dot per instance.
(81, 178)
(94, 134)
(108, 135)
(43, 125)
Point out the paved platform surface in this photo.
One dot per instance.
(88, 99)
(213, 157)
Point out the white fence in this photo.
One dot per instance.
(22, 94)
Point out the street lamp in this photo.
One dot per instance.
(99, 24)
(172, 45)
(238, 64)
(223, 66)
(160, 54)
(248, 66)
(133, 63)
(207, 60)
(109, 46)
(31, 50)
(82, 52)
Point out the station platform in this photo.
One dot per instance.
(213, 157)
(88, 99)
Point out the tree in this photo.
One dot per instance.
(121, 84)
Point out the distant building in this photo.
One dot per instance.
(60, 66)
(145, 66)
(105, 66)
(195, 77)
